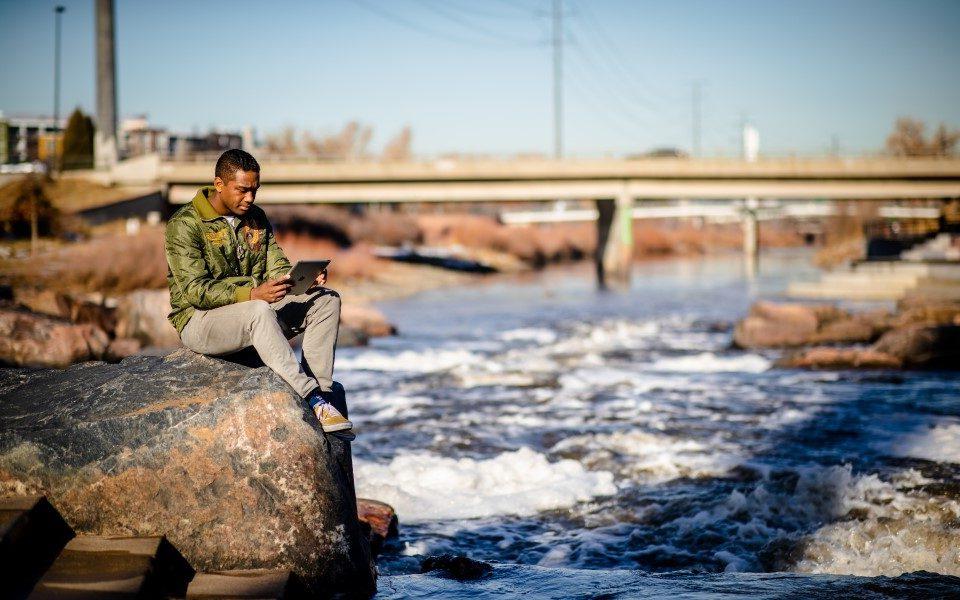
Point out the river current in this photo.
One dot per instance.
(612, 444)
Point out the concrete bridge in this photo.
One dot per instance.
(615, 185)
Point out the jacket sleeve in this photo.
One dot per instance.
(277, 263)
(184, 247)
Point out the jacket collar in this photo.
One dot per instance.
(201, 202)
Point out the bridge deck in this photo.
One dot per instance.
(525, 180)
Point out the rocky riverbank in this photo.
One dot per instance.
(918, 334)
(222, 459)
(56, 329)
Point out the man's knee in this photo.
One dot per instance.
(258, 310)
(325, 304)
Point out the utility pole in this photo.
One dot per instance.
(695, 122)
(56, 64)
(558, 79)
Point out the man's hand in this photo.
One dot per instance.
(272, 290)
(321, 279)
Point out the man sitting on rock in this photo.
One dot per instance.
(228, 283)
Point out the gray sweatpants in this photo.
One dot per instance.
(267, 327)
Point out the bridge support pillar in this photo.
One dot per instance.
(751, 239)
(614, 254)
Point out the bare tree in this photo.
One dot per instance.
(350, 142)
(909, 139)
(284, 142)
(944, 142)
(399, 148)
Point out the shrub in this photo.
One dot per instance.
(19, 200)
(78, 142)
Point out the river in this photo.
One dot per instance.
(611, 444)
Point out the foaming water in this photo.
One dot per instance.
(545, 424)
(426, 487)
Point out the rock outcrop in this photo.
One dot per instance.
(366, 319)
(773, 325)
(826, 357)
(380, 519)
(90, 308)
(142, 315)
(223, 460)
(31, 339)
(923, 347)
(919, 336)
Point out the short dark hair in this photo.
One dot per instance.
(234, 160)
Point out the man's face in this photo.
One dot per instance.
(238, 193)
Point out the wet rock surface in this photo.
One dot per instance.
(919, 336)
(380, 519)
(459, 567)
(222, 459)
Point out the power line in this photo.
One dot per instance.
(615, 53)
(633, 104)
(400, 20)
(472, 9)
(443, 11)
(596, 64)
(607, 102)
(512, 5)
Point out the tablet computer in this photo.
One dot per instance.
(304, 273)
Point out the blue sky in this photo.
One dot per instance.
(475, 75)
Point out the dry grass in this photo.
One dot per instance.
(537, 245)
(110, 265)
(72, 194)
(534, 245)
(344, 228)
(357, 262)
(843, 235)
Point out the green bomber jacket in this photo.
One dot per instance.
(211, 264)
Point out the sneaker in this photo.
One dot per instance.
(330, 418)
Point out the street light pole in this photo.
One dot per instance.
(557, 78)
(56, 74)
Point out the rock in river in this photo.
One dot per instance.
(222, 459)
(773, 325)
(28, 338)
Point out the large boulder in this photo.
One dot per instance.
(30, 339)
(142, 315)
(910, 347)
(919, 312)
(88, 308)
(829, 358)
(923, 347)
(774, 325)
(771, 325)
(367, 319)
(224, 460)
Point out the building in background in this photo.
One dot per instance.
(138, 137)
(30, 138)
